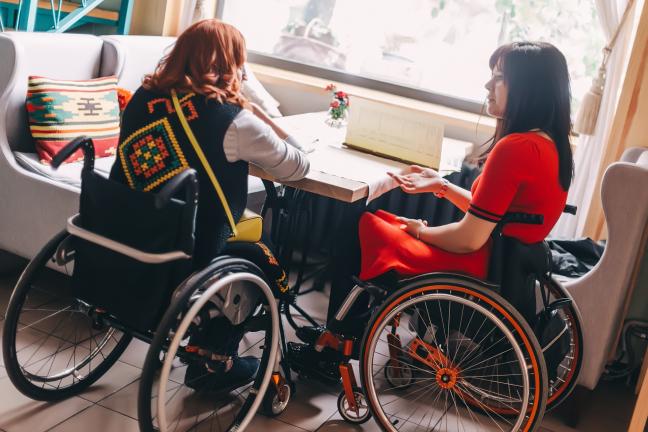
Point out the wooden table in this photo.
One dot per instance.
(311, 126)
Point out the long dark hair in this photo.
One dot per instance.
(539, 97)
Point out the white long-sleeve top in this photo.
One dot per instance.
(250, 139)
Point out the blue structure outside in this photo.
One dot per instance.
(27, 16)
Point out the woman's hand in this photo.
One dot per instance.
(412, 226)
(418, 180)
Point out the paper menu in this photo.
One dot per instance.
(395, 131)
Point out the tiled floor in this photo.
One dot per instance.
(111, 404)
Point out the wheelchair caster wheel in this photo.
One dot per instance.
(275, 402)
(399, 376)
(349, 414)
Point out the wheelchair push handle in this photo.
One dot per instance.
(571, 209)
(187, 180)
(82, 142)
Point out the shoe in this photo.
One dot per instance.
(216, 377)
(304, 360)
(310, 334)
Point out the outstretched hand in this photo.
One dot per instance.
(417, 179)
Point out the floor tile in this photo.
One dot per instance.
(124, 401)
(310, 406)
(118, 376)
(135, 354)
(19, 413)
(262, 423)
(337, 424)
(101, 419)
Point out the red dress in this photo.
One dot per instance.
(520, 175)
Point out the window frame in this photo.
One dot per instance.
(386, 86)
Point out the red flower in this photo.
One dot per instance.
(335, 104)
(330, 87)
(340, 95)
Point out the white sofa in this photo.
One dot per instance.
(35, 201)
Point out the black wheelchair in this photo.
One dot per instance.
(440, 350)
(122, 269)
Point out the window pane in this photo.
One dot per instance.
(441, 46)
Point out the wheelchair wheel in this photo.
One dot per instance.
(350, 415)
(569, 368)
(231, 289)
(476, 363)
(55, 345)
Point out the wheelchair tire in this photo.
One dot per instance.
(173, 336)
(474, 329)
(43, 314)
(569, 369)
(272, 405)
(362, 416)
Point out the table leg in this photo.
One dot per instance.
(640, 415)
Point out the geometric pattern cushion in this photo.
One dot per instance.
(59, 111)
(151, 155)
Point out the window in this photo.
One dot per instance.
(437, 47)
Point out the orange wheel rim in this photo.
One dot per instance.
(499, 308)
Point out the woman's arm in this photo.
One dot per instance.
(258, 111)
(467, 235)
(458, 196)
(421, 180)
(250, 139)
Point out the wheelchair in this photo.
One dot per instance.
(441, 351)
(448, 351)
(122, 269)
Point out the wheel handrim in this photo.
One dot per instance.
(466, 387)
(182, 329)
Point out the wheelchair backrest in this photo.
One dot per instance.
(123, 239)
(516, 266)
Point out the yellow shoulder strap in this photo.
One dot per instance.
(203, 160)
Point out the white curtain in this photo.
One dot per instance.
(193, 11)
(589, 150)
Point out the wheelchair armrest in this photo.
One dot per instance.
(523, 218)
(85, 144)
(136, 254)
(188, 180)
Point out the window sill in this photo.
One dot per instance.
(479, 126)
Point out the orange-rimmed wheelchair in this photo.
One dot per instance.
(445, 351)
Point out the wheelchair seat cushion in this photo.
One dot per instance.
(385, 246)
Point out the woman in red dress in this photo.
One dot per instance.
(528, 168)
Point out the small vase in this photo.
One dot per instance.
(339, 122)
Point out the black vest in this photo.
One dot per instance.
(153, 148)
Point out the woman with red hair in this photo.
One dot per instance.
(205, 69)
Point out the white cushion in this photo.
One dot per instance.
(70, 173)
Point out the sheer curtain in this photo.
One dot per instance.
(589, 150)
(193, 11)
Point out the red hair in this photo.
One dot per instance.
(205, 60)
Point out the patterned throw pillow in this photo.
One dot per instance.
(60, 111)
